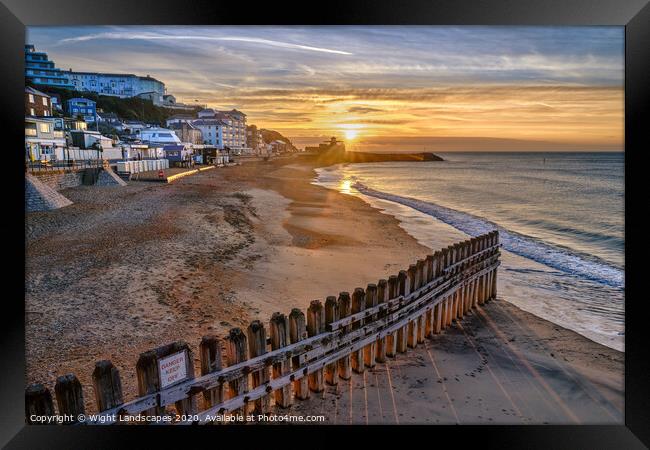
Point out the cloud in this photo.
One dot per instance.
(363, 110)
(174, 37)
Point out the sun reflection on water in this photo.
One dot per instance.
(346, 186)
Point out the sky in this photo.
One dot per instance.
(380, 87)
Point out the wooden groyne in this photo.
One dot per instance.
(284, 361)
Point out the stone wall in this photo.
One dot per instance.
(40, 196)
(109, 178)
(60, 180)
(63, 180)
(41, 191)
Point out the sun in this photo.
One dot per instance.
(350, 134)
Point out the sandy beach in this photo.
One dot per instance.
(126, 269)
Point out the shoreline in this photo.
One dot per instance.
(434, 232)
(212, 251)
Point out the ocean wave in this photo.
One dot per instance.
(558, 258)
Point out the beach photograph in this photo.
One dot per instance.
(324, 225)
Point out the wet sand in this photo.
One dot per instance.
(126, 269)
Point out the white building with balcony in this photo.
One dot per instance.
(121, 85)
(42, 140)
(232, 131)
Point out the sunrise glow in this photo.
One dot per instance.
(485, 88)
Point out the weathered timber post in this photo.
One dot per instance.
(69, 397)
(107, 386)
(391, 339)
(456, 297)
(237, 352)
(479, 280)
(370, 350)
(421, 274)
(488, 275)
(345, 309)
(147, 373)
(437, 312)
(315, 326)
(38, 402)
(358, 305)
(298, 332)
(429, 318)
(279, 330)
(404, 290)
(150, 379)
(450, 300)
(473, 283)
(210, 355)
(481, 283)
(256, 334)
(331, 315)
(382, 297)
(412, 326)
(464, 290)
(494, 280)
(430, 269)
(473, 250)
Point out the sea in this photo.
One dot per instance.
(560, 218)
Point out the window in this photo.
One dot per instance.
(31, 112)
(31, 98)
(44, 127)
(44, 101)
(46, 113)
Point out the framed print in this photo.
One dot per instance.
(368, 219)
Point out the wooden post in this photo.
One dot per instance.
(236, 352)
(256, 334)
(437, 311)
(298, 332)
(421, 273)
(494, 280)
(38, 402)
(344, 365)
(315, 326)
(149, 375)
(474, 283)
(382, 297)
(370, 350)
(358, 305)
(404, 289)
(107, 386)
(148, 381)
(428, 322)
(412, 326)
(472, 252)
(431, 273)
(455, 257)
(279, 330)
(481, 284)
(420, 282)
(463, 290)
(69, 397)
(450, 299)
(391, 339)
(331, 315)
(210, 353)
(488, 275)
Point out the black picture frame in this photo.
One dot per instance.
(15, 15)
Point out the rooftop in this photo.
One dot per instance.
(31, 90)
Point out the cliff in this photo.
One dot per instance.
(338, 155)
(360, 157)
